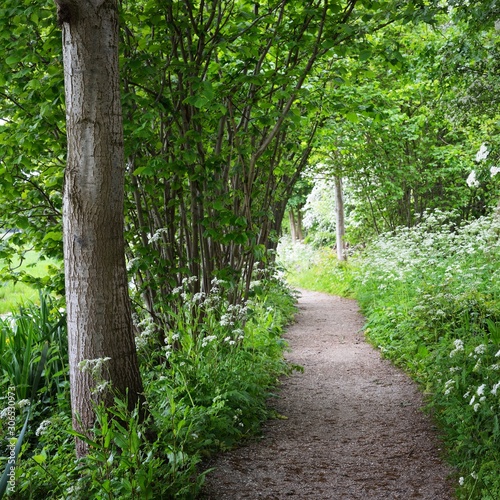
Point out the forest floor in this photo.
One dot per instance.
(352, 425)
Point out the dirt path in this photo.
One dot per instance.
(353, 429)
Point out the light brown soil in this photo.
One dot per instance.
(354, 428)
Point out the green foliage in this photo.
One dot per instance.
(431, 299)
(404, 134)
(32, 133)
(207, 375)
(23, 336)
(9, 472)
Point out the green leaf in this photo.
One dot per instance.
(40, 459)
(364, 55)
(352, 117)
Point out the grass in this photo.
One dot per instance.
(13, 294)
(317, 270)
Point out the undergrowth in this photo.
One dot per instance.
(208, 371)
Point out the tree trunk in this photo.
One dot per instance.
(97, 300)
(340, 219)
(291, 218)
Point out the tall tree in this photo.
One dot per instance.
(98, 307)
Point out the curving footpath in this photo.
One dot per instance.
(353, 428)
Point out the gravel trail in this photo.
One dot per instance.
(352, 426)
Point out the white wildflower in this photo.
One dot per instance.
(157, 235)
(449, 383)
(483, 153)
(495, 388)
(471, 180)
(43, 427)
(93, 366)
(480, 349)
(226, 320)
(476, 406)
(198, 297)
(459, 346)
(480, 390)
(23, 402)
(497, 354)
(472, 400)
(207, 340)
(101, 387)
(461, 481)
(494, 171)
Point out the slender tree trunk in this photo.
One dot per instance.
(340, 218)
(97, 300)
(291, 218)
(300, 233)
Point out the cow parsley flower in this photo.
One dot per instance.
(483, 153)
(459, 346)
(480, 349)
(471, 180)
(43, 427)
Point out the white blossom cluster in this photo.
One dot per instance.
(483, 392)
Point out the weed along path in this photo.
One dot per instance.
(353, 426)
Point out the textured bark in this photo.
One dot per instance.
(98, 306)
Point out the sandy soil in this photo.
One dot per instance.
(353, 427)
